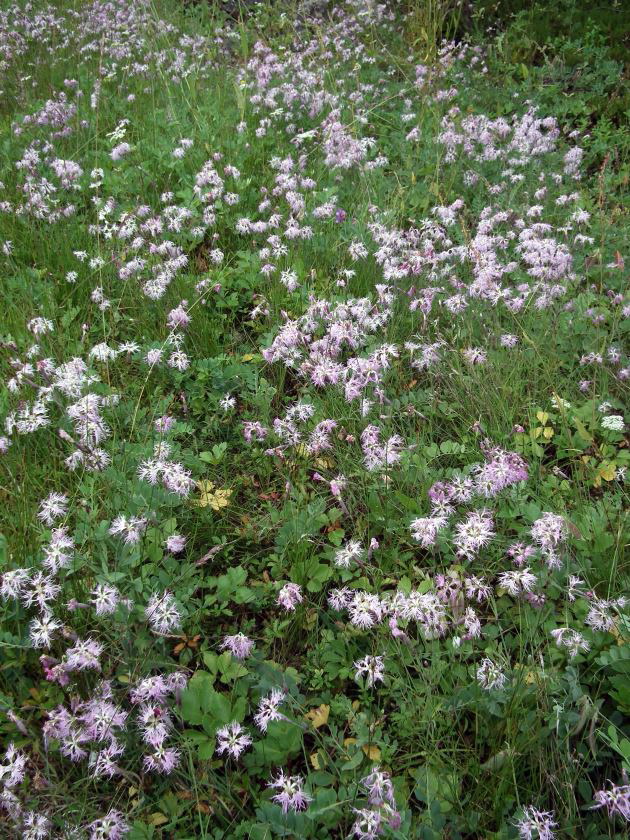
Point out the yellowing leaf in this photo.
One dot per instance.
(315, 761)
(530, 675)
(607, 470)
(324, 463)
(301, 449)
(548, 432)
(372, 752)
(209, 497)
(542, 417)
(247, 357)
(157, 819)
(319, 716)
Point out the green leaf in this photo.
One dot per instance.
(195, 698)
(219, 708)
(283, 740)
(582, 430)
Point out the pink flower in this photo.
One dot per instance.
(162, 613)
(536, 824)
(616, 800)
(175, 543)
(290, 596)
(119, 151)
(233, 739)
(292, 795)
(112, 825)
(268, 709)
(239, 645)
(370, 667)
(163, 760)
(178, 318)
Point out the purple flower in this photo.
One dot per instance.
(163, 760)
(239, 645)
(379, 788)
(112, 826)
(474, 533)
(290, 596)
(490, 676)
(175, 543)
(616, 800)
(233, 740)
(268, 709)
(178, 318)
(370, 667)
(53, 507)
(119, 151)
(163, 614)
(535, 824)
(292, 795)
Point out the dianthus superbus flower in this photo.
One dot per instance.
(517, 582)
(268, 709)
(291, 795)
(490, 676)
(83, 655)
(368, 824)
(162, 760)
(175, 543)
(365, 609)
(112, 826)
(290, 596)
(155, 723)
(105, 598)
(162, 613)
(379, 788)
(474, 533)
(233, 740)
(130, 528)
(239, 645)
(13, 767)
(42, 630)
(549, 531)
(53, 507)
(615, 799)
(425, 529)
(372, 668)
(35, 826)
(535, 824)
(351, 551)
(570, 639)
(13, 583)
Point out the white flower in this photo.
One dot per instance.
(614, 423)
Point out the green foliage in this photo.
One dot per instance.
(462, 760)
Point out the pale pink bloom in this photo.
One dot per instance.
(290, 596)
(239, 645)
(233, 740)
(292, 795)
